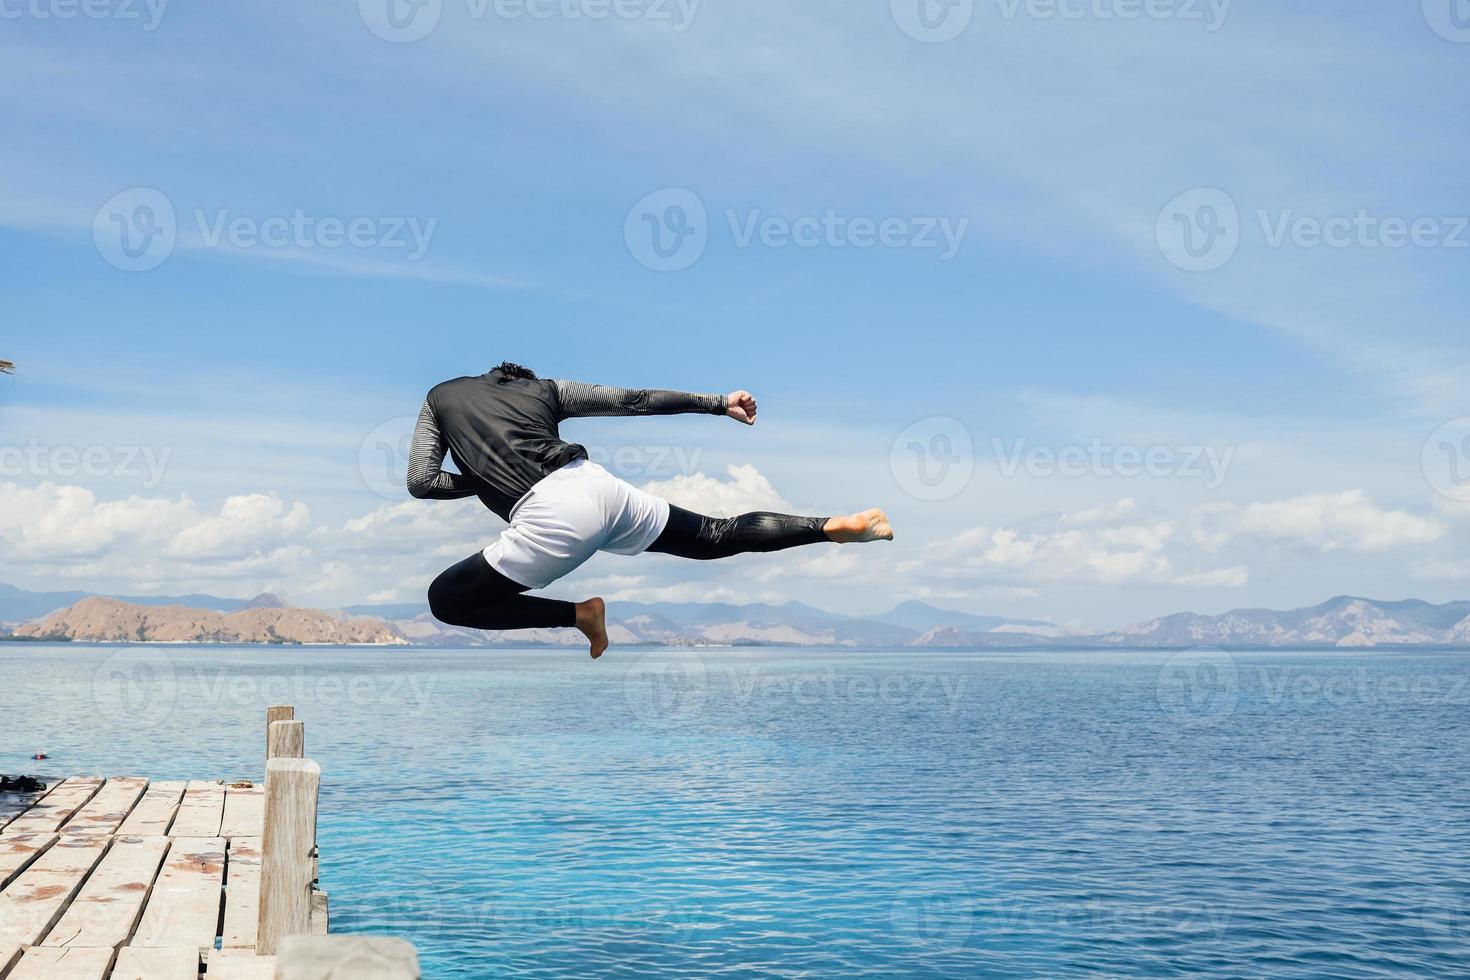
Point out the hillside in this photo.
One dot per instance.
(108, 620)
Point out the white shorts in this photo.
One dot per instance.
(568, 517)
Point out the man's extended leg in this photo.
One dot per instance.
(691, 535)
(473, 594)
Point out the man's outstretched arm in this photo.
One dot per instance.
(580, 400)
(425, 478)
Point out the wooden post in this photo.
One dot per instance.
(286, 740)
(359, 957)
(288, 851)
(273, 714)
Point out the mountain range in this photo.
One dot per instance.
(1346, 621)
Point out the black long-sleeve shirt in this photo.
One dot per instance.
(502, 432)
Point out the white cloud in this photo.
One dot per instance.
(1334, 521)
(746, 490)
(1113, 545)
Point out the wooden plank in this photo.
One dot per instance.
(244, 812)
(8, 956)
(52, 963)
(289, 846)
(33, 902)
(359, 957)
(13, 804)
(320, 915)
(237, 964)
(106, 909)
(201, 811)
(242, 894)
(155, 812)
(17, 851)
(184, 907)
(273, 714)
(286, 740)
(56, 807)
(105, 812)
(156, 963)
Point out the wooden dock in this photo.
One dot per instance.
(126, 879)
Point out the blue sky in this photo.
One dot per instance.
(1067, 148)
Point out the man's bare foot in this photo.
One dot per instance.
(592, 621)
(869, 525)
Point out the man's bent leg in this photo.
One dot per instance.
(473, 594)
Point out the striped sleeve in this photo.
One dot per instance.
(426, 480)
(579, 400)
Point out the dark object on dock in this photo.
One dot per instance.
(21, 784)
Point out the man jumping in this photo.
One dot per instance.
(501, 430)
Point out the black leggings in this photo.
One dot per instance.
(473, 594)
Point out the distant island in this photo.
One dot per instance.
(1345, 621)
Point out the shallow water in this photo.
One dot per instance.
(832, 814)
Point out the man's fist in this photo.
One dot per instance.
(740, 406)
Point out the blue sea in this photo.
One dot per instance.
(832, 813)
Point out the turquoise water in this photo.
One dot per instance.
(832, 814)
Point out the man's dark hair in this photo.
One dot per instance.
(512, 370)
